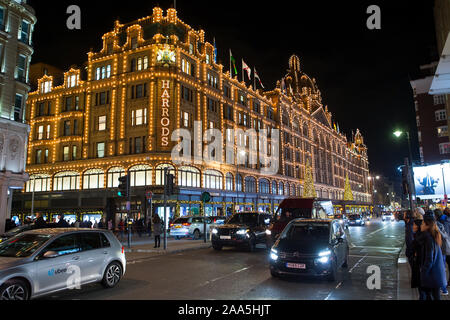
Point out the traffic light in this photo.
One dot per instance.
(124, 187)
(170, 185)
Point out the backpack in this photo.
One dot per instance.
(445, 239)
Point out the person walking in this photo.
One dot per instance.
(110, 225)
(40, 222)
(443, 227)
(62, 223)
(121, 228)
(101, 225)
(157, 230)
(432, 269)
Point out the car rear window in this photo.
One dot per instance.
(306, 232)
(197, 220)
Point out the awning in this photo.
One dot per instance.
(441, 81)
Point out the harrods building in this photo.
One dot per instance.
(156, 75)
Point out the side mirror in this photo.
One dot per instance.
(50, 255)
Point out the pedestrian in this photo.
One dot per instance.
(432, 269)
(101, 225)
(40, 222)
(417, 255)
(89, 224)
(409, 234)
(77, 224)
(62, 223)
(157, 230)
(110, 225)
(443, 227)
(121, 228)
(95, 225)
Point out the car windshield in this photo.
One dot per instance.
(244, 218)
(355, 217)
(307, 232)
(23, 245)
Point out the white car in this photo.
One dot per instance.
(41, 262)
(388, 217)
(190, 226)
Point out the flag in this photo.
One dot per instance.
(215, 51)
(257, 77)
(245, 67)
(232, 65)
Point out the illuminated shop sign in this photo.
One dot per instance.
(165, 120)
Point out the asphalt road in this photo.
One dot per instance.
(239, 275)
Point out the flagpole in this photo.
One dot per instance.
(231, 74)
(254, 78)
(243, 79)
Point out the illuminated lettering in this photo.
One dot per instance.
(165, 118)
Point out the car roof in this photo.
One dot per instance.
(58, 231)
(323, 221)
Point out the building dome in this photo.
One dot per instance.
(297, 79)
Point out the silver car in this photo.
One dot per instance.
(41, 262)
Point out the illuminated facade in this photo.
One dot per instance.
(156, 75)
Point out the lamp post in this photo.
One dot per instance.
(412, 191)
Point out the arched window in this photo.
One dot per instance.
(305, 130)
(160, 179)
(65, 181)
(281, 188)
(93, 179)
(141, 175)
(287, 190)
(293, 190)
(212, 180)
(113, 176)
(189, 177)
(264, 186)
(39, 183)
(250, 185)
(239, 183)
(229, 182)
(274, 187)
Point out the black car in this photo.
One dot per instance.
(310, 247)
(356, 220)
(241, 230)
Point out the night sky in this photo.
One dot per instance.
(363, 74)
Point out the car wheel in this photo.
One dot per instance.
(112, 276)
(197, 234)
(217, 247)
(14, 290)
(333, 276)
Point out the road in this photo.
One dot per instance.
(238, 275)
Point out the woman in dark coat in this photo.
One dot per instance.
(157, 230)
(416, 257)
(432, 268)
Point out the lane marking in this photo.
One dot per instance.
(331, 292)
(373, 257)
(225, 276)
(357, 264)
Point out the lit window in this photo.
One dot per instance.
(439, 99)
(48, 131)
(72, 81)
(442, 131)
(145, 62)
(139, 64)
(41, 132)
(444, 148)
(139, 117)
(101, 150)
(102, 123)
(441, 115)
(66, 154)
(186, 119)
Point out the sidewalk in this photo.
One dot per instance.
(142, 249)
(404, 290)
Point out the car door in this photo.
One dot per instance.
(92, 257)
(53, 273)
(338, 246)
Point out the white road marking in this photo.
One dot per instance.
(357, 264)
(373, 257)
(225, 276)
(337, 287)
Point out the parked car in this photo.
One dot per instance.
(245, 229)
(295, 208)
(41, 262)
(356, 220)
(191, 227)
(342, 218)
(310, 247)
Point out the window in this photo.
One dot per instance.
(103, 72)
(419, 134)
(46, 86)
(189, 177)
(40, 133)
(439, 99)
(20, 68)
(228, 113)
(145, 62)
(75, 127)
(264, 186)
(18, 107)
(24, 32)
(187, 94)
(227, 91)
(38, 183)
(100, 150)
(72, 81)
(66, 128)
(281, 188)
(212, 180)
(160, 179)
(141, 175)
(250, 185)
(444, 148)
(90, 241)
(212, 81)
(38, 159)
(102, 98)
(229, 182)
(134, 42)
(66, 154)
(102, 123)
(208, 59)
(274, 187)
(442, 131)
(113, 176)
(2, 19)
(64, 246)
(139, 117)
(139, 91)
(191, 48)
(46, 156)
(186, 120)
(186, 66)
(68, 104)
(93, 179)
(66, 181)
(137, 145)
(239, 183)
(212, 105)
(441, 115)
(74, 152)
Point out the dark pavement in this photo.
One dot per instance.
(238, 275)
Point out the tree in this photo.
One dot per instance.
(309, 189)
(348, 194)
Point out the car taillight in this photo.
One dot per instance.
(171, 225)
(123, 249)
(186, 224)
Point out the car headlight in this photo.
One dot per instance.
(323, 260)
(341, 221)
(215, 231)
(325, 253)
(324, 257)
(268, 232)
(358, 221)
(242, 232)
(274, 254)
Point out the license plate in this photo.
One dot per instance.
(225, 237)
(296, 266)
